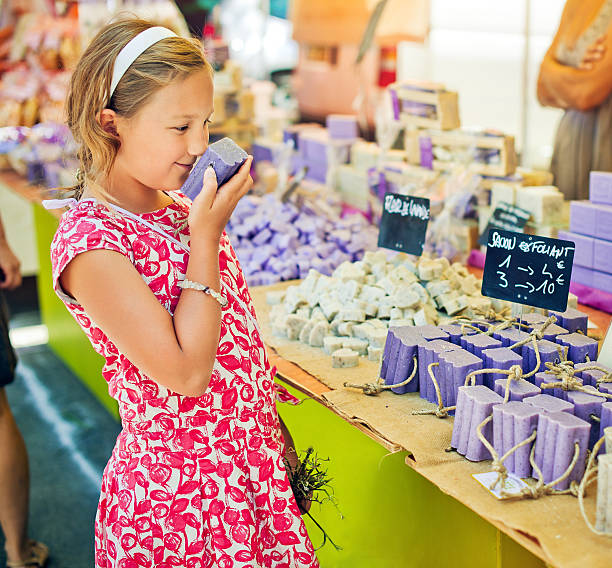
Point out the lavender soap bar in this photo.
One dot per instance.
(224, 156)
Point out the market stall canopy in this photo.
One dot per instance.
(334, 22)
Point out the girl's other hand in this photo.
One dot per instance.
(593, 54)
(213, 207)
(10, 274)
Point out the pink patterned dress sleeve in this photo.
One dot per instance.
(194, 482)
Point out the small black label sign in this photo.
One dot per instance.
(528, 269)
(507, 217)
(404, 223)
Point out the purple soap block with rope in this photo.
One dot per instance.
(590, 377)
(454, 367)
(428, 352)
(509, 337)
(499, 358)
(225, 156)
(519, 390)
(543, 378)
(588, 407)
(513, 423)
(605, 417)
(558, 434)
(580, 347)
(600, 187)
(572, 320)
(474, 404)
(548, 351)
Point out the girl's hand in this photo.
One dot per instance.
(9, 265)
(593, 54)
(212, 207)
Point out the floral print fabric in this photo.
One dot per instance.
(194, 482)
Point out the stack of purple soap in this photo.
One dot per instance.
(429, 352)
(224, 156)
(591, 231)
(499, 358)
(455, 366)
(397, 364)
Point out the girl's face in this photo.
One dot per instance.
(161, 142)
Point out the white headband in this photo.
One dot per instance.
(132, 50)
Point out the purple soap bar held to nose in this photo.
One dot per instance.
(225, 156)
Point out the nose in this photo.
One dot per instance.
(198, 141)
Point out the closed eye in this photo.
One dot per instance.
(181, 128)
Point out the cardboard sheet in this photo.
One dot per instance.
(550, 527)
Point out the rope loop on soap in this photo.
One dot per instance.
(372, 389)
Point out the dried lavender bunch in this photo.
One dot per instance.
(310, 482)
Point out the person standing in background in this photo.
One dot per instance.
(14, 469)
(576, 75)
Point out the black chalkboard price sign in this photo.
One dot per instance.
(404, 223)
(506, 216)
(528, 269)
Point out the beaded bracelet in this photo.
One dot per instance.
(206, 289)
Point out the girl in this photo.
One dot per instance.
(197, 477)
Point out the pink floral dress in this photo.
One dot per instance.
(192, 482)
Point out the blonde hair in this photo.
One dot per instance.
(169, 59)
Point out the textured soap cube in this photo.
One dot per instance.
(545, 203)
(398, 358)
(585, 247)
(582, 275)
(478, 343)
(510, 337)
(548, 351)
(224, 156)
(343, 358)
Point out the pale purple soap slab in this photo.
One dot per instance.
(499, 358)
(600, 187)
(555, 445)
(603, 222)
(474, 404)
(225, 156)
(580, 346)
(602, 255)
(428, 353)
(549, 403)
(478, 343)
(342, 126)
(583, 217)
(586, 406)
(519, 390)
(514, 422)
(532, 319)
(453, 369)
(585, 247)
